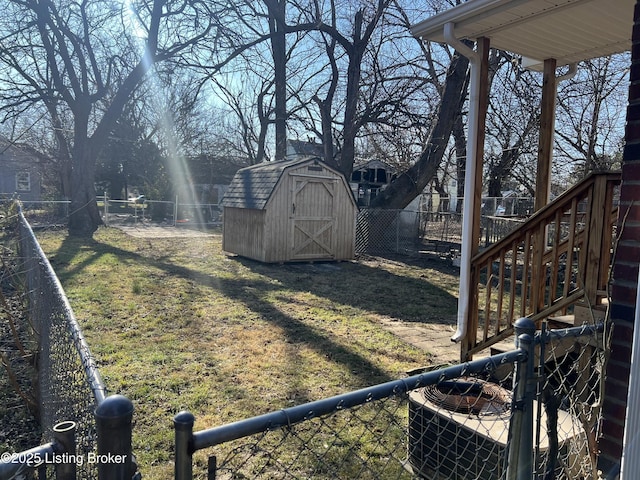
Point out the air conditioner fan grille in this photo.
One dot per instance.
(469, 395)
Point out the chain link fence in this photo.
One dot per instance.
(478, 420)
(459, 422)
(405, 232)
(69, 384)
(141, 211)
(380, 231)
(138, 211)
(46, 213)
(569, 365)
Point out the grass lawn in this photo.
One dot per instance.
(176, 324)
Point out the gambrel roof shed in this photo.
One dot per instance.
(252, 187)
(292, 210)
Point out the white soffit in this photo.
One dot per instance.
(567, 30)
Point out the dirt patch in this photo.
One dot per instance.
(162, 231)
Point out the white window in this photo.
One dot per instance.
(23, 182)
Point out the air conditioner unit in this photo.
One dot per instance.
(459, 430)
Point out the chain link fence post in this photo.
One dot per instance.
(113, 426)
(183, 426)
(64, 434)
(520, 454)
(105, 206)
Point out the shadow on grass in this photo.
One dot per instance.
(250, 292)
(420, 299)
(405, 298)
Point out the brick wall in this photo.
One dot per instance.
(625, 276)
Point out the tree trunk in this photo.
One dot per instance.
(411, 183)
(278, 47)
(354, 71)
(461, 158)
(324, 106)
(500, 171)
(84, 215)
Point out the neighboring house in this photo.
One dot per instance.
(299, 149)
(368, 178)
(208, 179)
(20, 171)
(201, 193)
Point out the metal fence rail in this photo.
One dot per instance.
(466, 421)
(158, 212)
(47, 213)
(533, 409)
(360, 434)
(378, 231)
(63, 447)
(70, 386)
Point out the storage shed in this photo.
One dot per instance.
(287, 211)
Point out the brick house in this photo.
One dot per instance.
(625, 275)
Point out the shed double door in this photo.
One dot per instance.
(313, 217)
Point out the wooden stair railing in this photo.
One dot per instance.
(559, 258)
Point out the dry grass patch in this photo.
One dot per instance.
(175, 324)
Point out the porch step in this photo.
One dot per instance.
(560, 349)
(562, 321)
(584, 314)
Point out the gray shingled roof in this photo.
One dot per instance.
(307, 149)
(252, 186)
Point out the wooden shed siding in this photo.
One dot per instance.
(312, 229)
(243, 232)
(346, 226)
(310, 214)
(276, 242)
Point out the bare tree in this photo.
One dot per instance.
(277, 30)
(591, 110)
(354, 43)
(413, 181)
(512, 122)
(357, 63)
(83, 61)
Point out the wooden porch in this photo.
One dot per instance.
(554, 267)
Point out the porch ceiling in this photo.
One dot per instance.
(568, 30)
